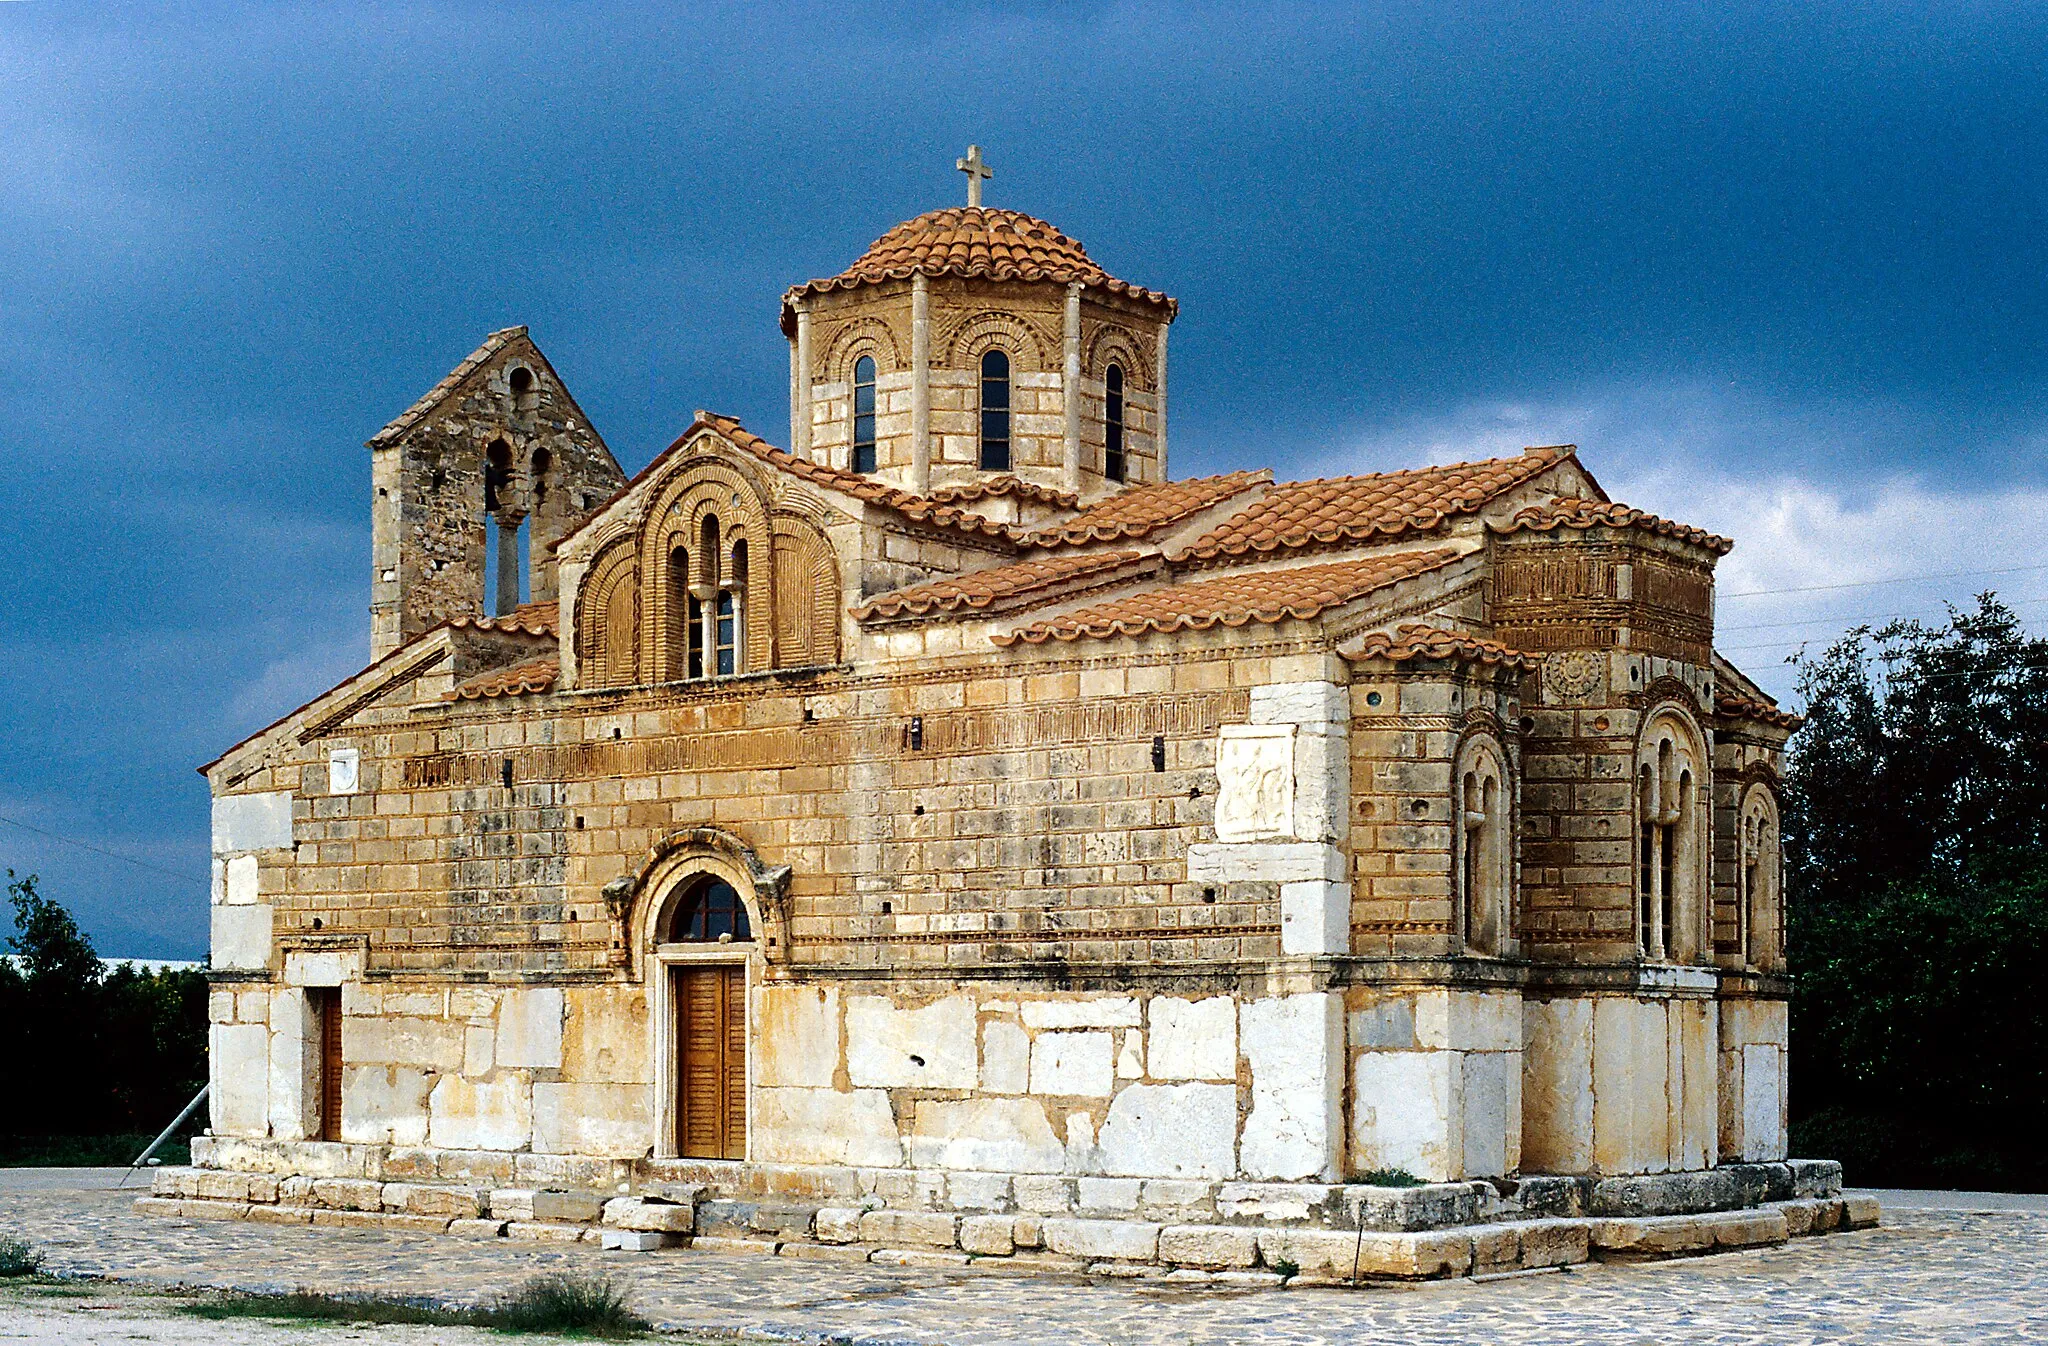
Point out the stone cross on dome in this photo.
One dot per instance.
(975, 170)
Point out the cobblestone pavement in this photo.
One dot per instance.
(1927, 1276)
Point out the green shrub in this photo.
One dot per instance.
(18, 1257)
(591, 1305)
(561, 1305)
(1390, 1177)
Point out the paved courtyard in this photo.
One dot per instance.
(1975, 1271)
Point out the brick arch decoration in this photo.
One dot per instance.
(633, 915)
(608, 618)
(705, 482)
(1482, 748)
(861, 336)
(807, 594)
(1115, 345)
(979, 332)
(1671, 719)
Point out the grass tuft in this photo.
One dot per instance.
(1390, 1177)
(560, 1305)
(18, 1257)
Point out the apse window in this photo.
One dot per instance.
(995, 411)
(864, 414)
(1113, 423)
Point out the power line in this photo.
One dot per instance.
(1896, 579)
(114, 855)
(1853, 621)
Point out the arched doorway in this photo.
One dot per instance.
(704, 958)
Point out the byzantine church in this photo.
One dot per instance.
(948, 808)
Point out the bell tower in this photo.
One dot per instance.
(973, 343)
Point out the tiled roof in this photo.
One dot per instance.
(920, 508)
(1572, 512)
(978, 241)
(417, 412)
(1414, 641)
(1350, 509)
(986, 587)
(528, 619)
(1234, 600)
(968, 492)
(1745, 708)
(1138, 510)
(535, 675)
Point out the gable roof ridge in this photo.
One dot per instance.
(434, 396)
(1098, 522)
(1580, 512)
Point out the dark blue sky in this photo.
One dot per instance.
(1778, 269)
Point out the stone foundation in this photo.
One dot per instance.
(1234, 1232)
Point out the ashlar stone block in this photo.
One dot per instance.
(1171, 1131)
(1192, 1039)
(932, 1047)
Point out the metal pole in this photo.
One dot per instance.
(157, 1144)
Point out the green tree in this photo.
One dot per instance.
(1915, 815)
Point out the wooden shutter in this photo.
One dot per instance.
(711, 1075)
(327, 1004)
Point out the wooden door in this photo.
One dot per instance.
(327, 1009)
(711, 1055)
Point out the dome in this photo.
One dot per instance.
(978, 241)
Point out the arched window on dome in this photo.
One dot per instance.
(995, 411)
(864, 414)
(1113, 423)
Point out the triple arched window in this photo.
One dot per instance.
(1670, 860)
(864, 414)
(1113, 423)
(1760, 903)
(1483, 859)
(995, 411)
(709, 604)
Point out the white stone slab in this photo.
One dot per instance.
(1000, 1135)
(1763, 1133)
(1315, 918)
(243, 882)
(1303, 703)
(1115, 1011)
(606, 1120)
(293, 1106)
(322, 968)
(1295, 1048)
(1076, 1064)
(530, 1027)
(1005, 1058)
(1170, 1131)
(241, 937)
(931, 1047)
(1487, 1097)
(825, 1126)
(1254, 782)
(239, 1066)
(252, 822)
(1265, 862)
(796, 1041)
(1192, 1039)
(384, 1104)
(1403, 1106)
(481, 1115)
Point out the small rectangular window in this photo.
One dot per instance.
(864, 414)
(1113, 424)
(995, 411)
(696, 624)
(728, 635)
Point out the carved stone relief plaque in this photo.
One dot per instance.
(1573, 675)
(1255, 782)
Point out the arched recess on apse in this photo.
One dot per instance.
(1760, 878)
(1110, 345)
(705, 486)
(992, 330)
(640, 904)
(608, 618)
(1482, 844)
(1672, 788)
(807, 596)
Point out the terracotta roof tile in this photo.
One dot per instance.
(1745, 708)
(968, 492)
(1572, 512)
(978, 241)
(1138, 510)
(1234, 600)
(535, 675)
(530, 619)
(1351, 509)
(417, 412)
(1414, 641)
(921, 508)
(984, 588)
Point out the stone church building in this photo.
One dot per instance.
(951, 815)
